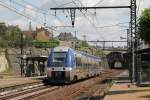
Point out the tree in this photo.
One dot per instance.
(84, 44)
(144, 25)
(3, 29)
(9, 35)
(3, 32)
(15, 34)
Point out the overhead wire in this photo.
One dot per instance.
(118, 24)
(82, 6)
(98, 2)
(93, 25)
(31, 9)
(64, 4)
(35, 8)
(106, 26)
(13, 9)
(43, 10)
(19, 13)
(38, 8)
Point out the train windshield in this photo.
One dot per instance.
(59, 59)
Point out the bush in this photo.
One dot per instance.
(49, 44)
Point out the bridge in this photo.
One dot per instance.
(116, 55)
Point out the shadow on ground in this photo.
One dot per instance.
(126, 91)
(145, 96)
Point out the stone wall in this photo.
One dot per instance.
(3, 61)
(14, 56)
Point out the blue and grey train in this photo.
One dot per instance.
(66, 64)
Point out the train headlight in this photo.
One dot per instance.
(52, 68)
(70, 68)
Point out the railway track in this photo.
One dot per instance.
(35, 93)
(29, 93)
(69, 92)
(65, 92)
(20, 91)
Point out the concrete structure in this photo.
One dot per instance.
(13, 55)
(115, 57)
(122, 89)
(34, 65)
(3, 61)
(142, 68)
(67, 39)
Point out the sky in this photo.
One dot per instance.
(92, 23)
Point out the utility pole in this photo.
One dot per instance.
(133, 39)
(75, 41)
(30, 26)
(128, 40)
(103, 45)
(44, 19)
(21, 49)
(84, 37)
(52, 33)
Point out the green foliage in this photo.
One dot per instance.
(14, 36)
(28, 41)
(9, 35)
(50, 44)
(144, 25)
(3, 32)
(99, 52)
(3, 29)
(84, 44)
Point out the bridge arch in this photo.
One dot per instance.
(115, 57)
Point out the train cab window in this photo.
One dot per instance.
(59, 59)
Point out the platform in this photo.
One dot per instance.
(122, 89)
(122, 77)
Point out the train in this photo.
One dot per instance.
(65, 65)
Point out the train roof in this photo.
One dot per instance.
(61, 49)
(79, 53)
(87, 55)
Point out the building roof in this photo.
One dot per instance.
(41, 34)
(147, 50)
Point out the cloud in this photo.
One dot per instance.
(82, 24)
(89, 2)
(2, 9)
(43, 2)
(29, 11)
(22, 23)
(56, 22)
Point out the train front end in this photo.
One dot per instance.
(60, 67)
